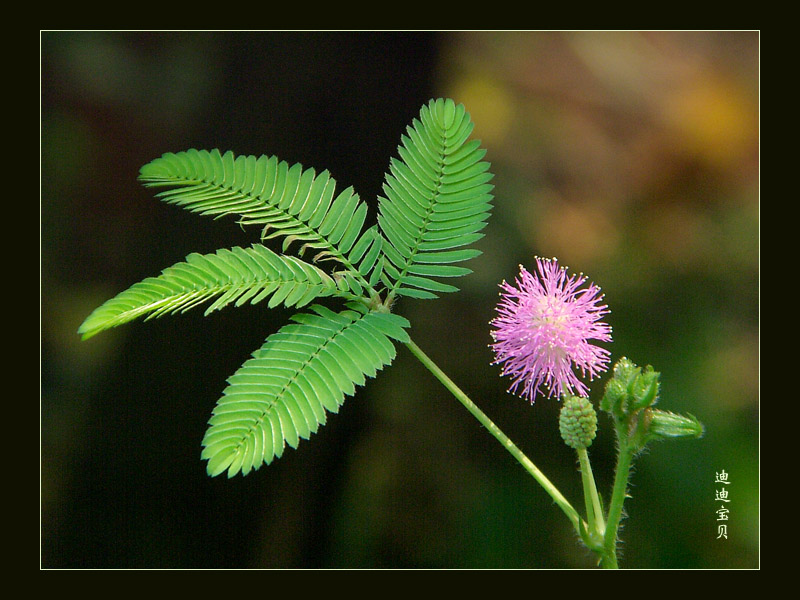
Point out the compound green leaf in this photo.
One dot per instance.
(230, 276)
(285, 201)
(437, 198)
(283, 392)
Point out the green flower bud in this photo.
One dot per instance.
(645, 388)
(619, 389)
(666, 425)
(630, 390)
(577, 422)
(615, 397)
(626, 371)
(629, 397)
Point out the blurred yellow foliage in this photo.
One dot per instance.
(489, 104)
(578, 233)
(714, 120)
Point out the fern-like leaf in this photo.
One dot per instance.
(282, 393)
(366, 254)
(286, 201)
(237, 275)
(438, 199)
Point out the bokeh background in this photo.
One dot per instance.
(632, 157)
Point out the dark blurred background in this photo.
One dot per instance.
(632, 157)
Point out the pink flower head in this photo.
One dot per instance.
(543, 327)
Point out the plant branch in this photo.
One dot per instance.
(593, 510)
(504, 440)
(624, 460)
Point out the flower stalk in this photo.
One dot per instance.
(618, 495)
(594, 510)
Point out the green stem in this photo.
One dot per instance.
(621, 477)
(551, 489)
(593, 510)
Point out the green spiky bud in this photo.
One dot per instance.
(577, 422)
(666, 425)
(645, 388)
(626, 371)
(630, 390)
(615, 397)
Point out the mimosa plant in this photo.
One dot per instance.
(344, 279)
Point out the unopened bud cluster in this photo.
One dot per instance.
(630, 389)
(577, 422)
(629, 397)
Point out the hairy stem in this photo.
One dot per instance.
(504, 440)
(623, 471)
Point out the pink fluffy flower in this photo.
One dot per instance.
(543, 330)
